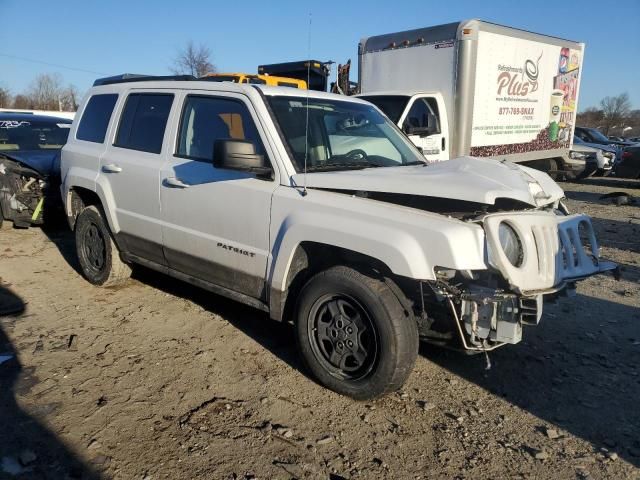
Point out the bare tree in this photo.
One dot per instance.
(21, 101)
(69, 98)
(193, 60)
(616, 111)
(5, 98)
(590, 117)
(45, 92)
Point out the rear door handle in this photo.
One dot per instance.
(175, 183)
(111, 168)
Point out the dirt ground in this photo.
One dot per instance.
(158, 379)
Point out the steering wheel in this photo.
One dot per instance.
(357, 154)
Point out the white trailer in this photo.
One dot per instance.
(477, 88)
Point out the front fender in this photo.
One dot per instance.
(410, 242)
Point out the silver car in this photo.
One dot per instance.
(599, 158)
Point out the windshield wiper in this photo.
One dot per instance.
(341, 166)
(417, 162)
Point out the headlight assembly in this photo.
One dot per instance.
(511, 244)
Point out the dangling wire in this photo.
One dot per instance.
(306, 125)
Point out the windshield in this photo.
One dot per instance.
(32, 135)
(597, 135)
(391, 105)
(341, 135)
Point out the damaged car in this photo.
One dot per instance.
(317, 209)
(30, 166)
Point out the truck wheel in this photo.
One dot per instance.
(552, 169)
(97, 252)
(354, 335)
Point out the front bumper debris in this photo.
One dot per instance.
(22, 193)
(490, 308)
(579, 255)
(557, 250)
(488, 315)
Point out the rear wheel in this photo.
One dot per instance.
(354, 334)
(97, 252)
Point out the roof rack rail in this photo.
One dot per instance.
(136, 77)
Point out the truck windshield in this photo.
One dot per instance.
(391, 105)
(341, 135)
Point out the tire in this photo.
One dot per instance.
(97, 253)
(552, 169)
(354, 335)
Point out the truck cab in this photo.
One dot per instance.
(422, 116)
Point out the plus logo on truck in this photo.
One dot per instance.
(518, 81)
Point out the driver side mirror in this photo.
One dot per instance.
(232, 154)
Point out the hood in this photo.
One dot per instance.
(596, 146)
(45, 162)
(470, 179)
(585, 149)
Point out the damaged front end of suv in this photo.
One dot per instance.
(30, 147)
(22, 193)
(532, 247)
(530, 254)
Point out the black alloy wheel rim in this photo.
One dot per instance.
(93, 248)
(343, 336)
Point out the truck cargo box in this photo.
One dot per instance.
(506, 93)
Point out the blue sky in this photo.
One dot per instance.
(117, 36)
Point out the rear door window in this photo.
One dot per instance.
(143, 121)
(96, 117)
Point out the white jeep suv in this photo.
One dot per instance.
(317, 209)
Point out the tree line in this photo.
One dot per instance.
(614, 116)
(49, 92)
(46, 92)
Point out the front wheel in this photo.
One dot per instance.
(354, 334)
(98, 254)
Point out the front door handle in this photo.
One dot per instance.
(111, 168)
(175, 183)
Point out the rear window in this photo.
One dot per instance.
(143, 121)
(96, 116)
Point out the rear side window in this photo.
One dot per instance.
(96, 116)
(143, 121)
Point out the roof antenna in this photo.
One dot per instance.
(306, 125)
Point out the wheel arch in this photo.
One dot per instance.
(311, 257)
(80, 195)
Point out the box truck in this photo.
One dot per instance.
(476, 88)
